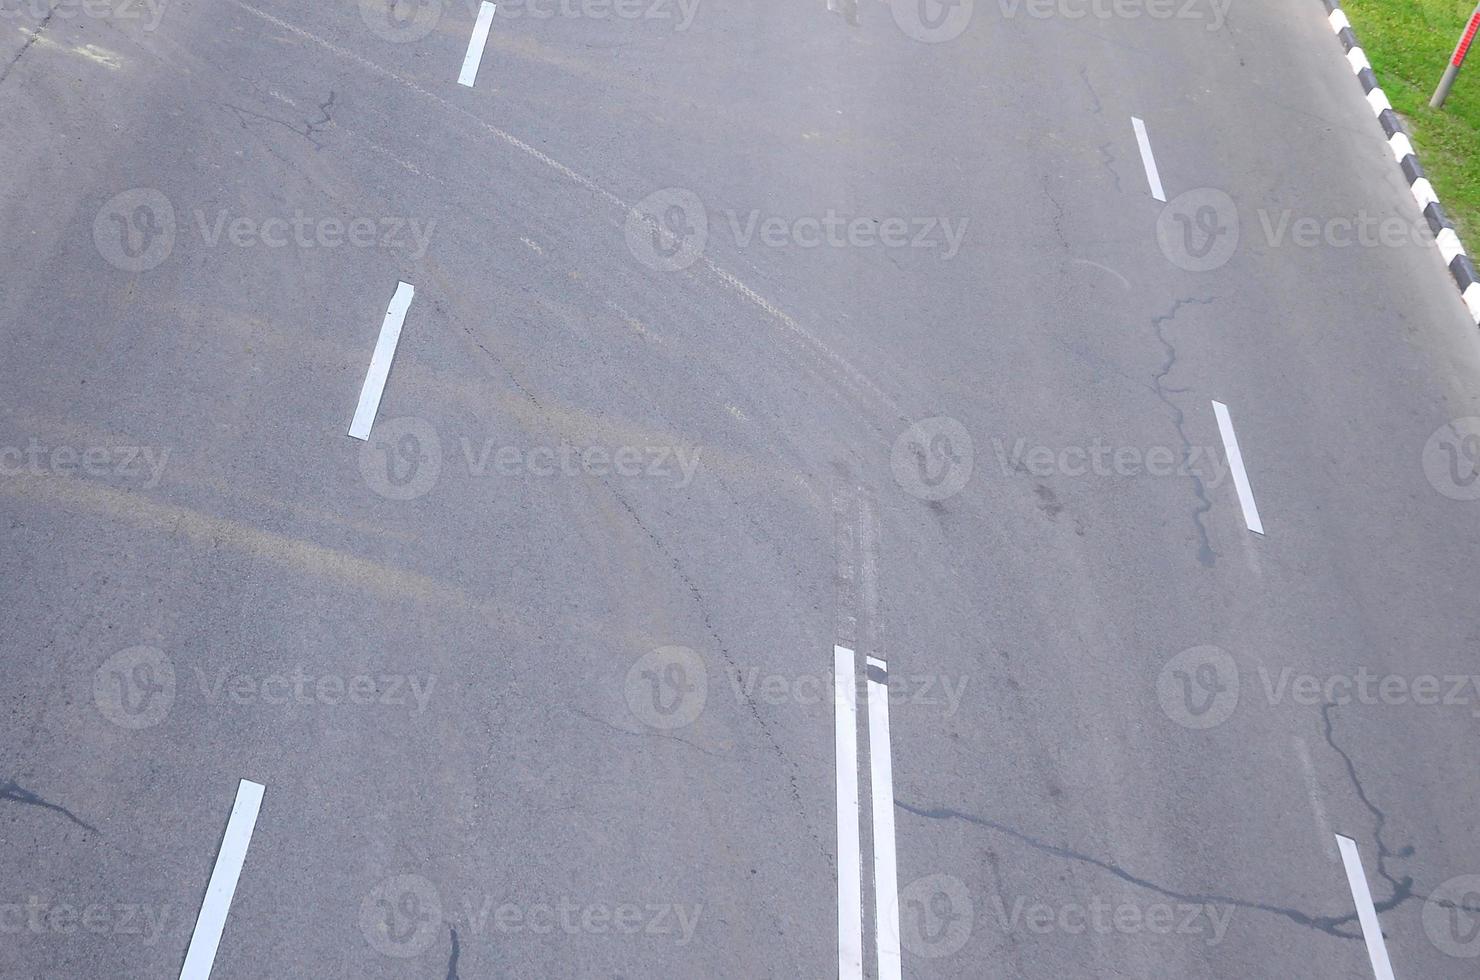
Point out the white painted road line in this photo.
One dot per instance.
(850, 854)
(1152, 177)
(881, 793)
(1366, 913)
(380, 362)
(233, 853)
(476, 44)
(1236, 465)
(850, 859)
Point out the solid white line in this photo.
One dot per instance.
(850, 859)
(475, 45)
(1366, 913)
(1152, 177)
(1236, 464)
(222, 887)
(380, 362)
(881, 793)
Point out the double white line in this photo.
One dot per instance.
(850, 857)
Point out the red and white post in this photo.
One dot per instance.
(1457, 59)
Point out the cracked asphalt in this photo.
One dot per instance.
(696, 384)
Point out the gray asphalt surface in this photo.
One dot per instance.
(448, 653)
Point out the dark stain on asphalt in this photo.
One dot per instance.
(452, 960)
(12, 793)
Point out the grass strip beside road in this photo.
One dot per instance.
(1409, 43)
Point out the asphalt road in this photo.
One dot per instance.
(741, 331)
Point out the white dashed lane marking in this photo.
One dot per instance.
(850, 859)
(1152, 177)
(881, 793)
(380, 362)
(233, 854)
(476, 43)
(1236, 466)
(1366, 913)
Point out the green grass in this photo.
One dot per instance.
(1409, 43)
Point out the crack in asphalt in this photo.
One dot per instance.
(719, 643)
(452, 960)
(1327, 924)
(1402, 889)
(1058, 217)
(1097, 108)
(15, 794)
(1104, 149)
(310, 126)
(313, 126)
(1205, 553)
(35, 36)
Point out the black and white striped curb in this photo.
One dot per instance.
(1450, 247)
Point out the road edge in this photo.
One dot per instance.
(1450, 247)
